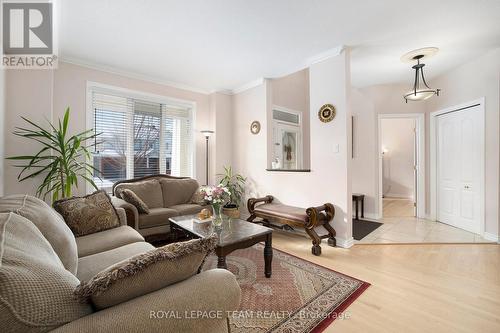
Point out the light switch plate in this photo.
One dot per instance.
(336, 148)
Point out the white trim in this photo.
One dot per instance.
(491, 237)
(345, 243)
(433, 160)
(420, 135)
(334, 52)
(132, 75)
(370, 217)
(247, 86)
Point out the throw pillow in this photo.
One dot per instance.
(36, 291)
(132, 198)
(89, 214)
(198, 198)
(147, 272)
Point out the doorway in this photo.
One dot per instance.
(401, 165)
(457, 166)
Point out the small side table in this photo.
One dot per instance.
(357, 198)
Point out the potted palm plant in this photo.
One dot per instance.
(62, 158)
(235, 183)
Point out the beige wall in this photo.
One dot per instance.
(329, 179)
(41, 94)
(28, 94)
(397, 137)
(223, 126)
(470, 81)
(292, 92)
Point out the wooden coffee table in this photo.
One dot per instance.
(233, 234)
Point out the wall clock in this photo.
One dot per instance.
(327, 113)
(255, 127)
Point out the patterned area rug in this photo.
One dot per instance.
(299, 297)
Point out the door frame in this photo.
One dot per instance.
(433, 158)
(420, 154)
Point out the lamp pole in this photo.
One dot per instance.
(207, 134)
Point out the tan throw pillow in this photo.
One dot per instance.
(132, 198)
(89, 214)
(198, 198)
(36, 291)
(146, 272)
(49, 222)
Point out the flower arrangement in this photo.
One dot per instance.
(216, 196)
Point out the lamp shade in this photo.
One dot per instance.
(207, 133)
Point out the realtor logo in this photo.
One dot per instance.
(28, 38)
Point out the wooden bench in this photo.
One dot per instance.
(308, 219)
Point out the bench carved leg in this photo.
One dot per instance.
(316, 241)
(251, 218)
(331, 233)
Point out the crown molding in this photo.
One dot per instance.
(334, 52)
(249, 85)
(132, 75)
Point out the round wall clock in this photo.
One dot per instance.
(327, 113)
(255, 127)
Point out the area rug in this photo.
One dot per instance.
(362, 228)
(300, 296)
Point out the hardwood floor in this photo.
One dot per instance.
(398, 207)
(415, 288)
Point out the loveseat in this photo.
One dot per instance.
(166, 196)
(41, 264)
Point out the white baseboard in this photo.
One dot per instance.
(345, 243)
(369, 216)
(491, 237)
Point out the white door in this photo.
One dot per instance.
(458, 173)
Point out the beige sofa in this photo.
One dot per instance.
(41, 263)
(166, 196)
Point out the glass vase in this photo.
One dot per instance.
(217, 214)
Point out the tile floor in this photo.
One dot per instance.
(414, 230)
(399, 226)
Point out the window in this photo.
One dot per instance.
(140, 136)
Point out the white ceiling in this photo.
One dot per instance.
(224, 44)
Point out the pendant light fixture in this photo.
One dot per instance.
(421, 90)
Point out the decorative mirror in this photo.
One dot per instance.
(255, 127)
(327, 113)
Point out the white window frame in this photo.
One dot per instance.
(134, 94)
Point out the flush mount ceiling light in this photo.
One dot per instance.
(421, 90)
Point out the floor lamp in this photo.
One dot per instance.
(207, 134)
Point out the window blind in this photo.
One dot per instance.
(139, 138)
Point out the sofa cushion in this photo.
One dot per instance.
(107, 240)
(50, 224)
(148, 190)
(132, 198)
(146, 272)
(36, 291)
(89, 214)
(178, 191)
(156, 217)
(187, 209)
(198, 197)
(91, 265)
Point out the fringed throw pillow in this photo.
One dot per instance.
(147, 272)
